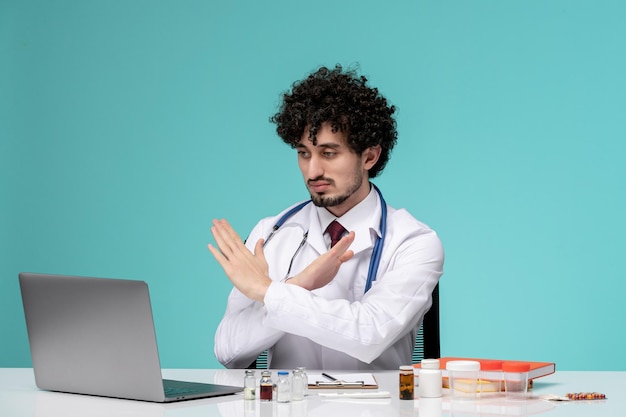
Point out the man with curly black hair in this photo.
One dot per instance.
(306, 289)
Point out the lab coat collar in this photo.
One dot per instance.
(363, 219)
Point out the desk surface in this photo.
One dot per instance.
(20, 397)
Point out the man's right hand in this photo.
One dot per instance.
(321, 271)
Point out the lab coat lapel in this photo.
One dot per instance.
(362, 239)
(368, 231)
(316, 234)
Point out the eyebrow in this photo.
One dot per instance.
(331, 145)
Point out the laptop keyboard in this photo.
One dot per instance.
(180, 388)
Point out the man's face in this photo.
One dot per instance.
(335, 175)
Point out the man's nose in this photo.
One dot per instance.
(315, 168)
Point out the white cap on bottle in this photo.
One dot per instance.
(430, 363)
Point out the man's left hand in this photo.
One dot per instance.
(247, 271)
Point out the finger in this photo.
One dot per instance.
(230, 233)
(227, 239)
(346, 256)
(233, 248)
(258, 249)
(221, 242)
(221, 259)
(216, 253)
(343, 244)
(219, 228)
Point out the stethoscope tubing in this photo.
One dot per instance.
(378, 245)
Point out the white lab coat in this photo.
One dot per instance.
(337, 326)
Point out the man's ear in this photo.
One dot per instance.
(370, 156)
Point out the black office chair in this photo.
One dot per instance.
(427, 340)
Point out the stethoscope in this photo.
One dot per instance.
(378, 245)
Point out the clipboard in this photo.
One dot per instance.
(342, 381)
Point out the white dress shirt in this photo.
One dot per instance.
(338, 326)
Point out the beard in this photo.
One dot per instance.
(322, 200)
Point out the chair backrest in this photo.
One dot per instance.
(427, 340)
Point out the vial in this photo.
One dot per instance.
(430, 379)
(407, 380)
(283, 387)
(302, 369)
(266, 386)
(249, 385)
(298, 385)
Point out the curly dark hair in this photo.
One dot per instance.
(345, 101)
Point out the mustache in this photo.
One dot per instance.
(328, 180)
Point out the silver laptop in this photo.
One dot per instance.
(96, 336)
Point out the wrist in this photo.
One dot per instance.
(295, 281)
(262, 290)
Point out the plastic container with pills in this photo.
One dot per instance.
(490, 381)
(463, 379)
(515, 376)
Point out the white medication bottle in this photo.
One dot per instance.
(490, 384)
(283, 387)
(515, 380)
(249, 385)
(430, 379)
(463, 379)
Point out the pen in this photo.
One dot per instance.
(332, 378)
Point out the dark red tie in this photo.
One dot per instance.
(335, 231)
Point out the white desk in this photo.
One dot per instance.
(20, 397)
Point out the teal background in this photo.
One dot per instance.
(126, 126)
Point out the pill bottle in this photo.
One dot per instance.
(490, 383)
(463, 379)
(407, 382)
(249, 385)
(283, 387)
(515, 380)
(266, 386)
(430, 379)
